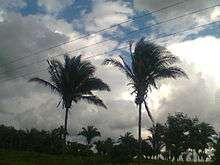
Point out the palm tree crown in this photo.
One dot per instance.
(149, 64)
(89, 133)
(73, 81)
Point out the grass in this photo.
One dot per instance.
(30, 158)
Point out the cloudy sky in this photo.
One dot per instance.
(188, 28)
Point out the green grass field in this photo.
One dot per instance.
(29, 158)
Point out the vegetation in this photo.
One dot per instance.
(73, 81)
(32, 158)
(89, 133)
(178, 140)
(217, 153)
(149, 64)
(170, 141)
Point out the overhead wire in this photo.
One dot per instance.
(112, 37)
(89, 34)
(154, 39)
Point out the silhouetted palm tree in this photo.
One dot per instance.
(73, 81)
(89, 133)
(127, 138)
(149, 64)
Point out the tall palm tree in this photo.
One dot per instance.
(149, 64)
(73, 81)
(89, 133)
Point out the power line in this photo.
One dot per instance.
(112, 37)
(89, 34)
(163, 36)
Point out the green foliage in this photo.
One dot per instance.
(217, 153)
(89, 133)
(173, 140)
(156, 139)
(50, 142)
(105, 148)
(8, 157)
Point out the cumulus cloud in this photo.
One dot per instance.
(26, 105)
(55, 6)
(196, 96)
(202, 17)
(107, 13)
(22, 37)
(12, 4)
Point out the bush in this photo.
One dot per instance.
(217, 153)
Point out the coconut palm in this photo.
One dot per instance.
(149, 64)
(89, 133)
(73, 81)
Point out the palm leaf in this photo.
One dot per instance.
(45, 83)
(119, 66)
(170, 72)
(93, 83)
(148, 112)
(94, 100)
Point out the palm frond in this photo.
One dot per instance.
(119, 66)
(45, 83)
(128, 69)
(93, 83)
(94, 100)
(170, 72)
(148, 112)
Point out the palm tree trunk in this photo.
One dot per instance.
(139, 137)
(65, 124)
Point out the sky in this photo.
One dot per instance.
(188, 28)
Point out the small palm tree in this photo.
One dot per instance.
(73, 81)
(126, 138)
(89, 133)
(149, 64)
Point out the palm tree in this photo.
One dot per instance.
(89, 133)
(73, 81)
(126, 139)
(149, 64)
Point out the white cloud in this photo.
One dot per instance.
(10, 4)
(27, 105)
(216, 13)
(203, 52)
(197, 95)
(55, 6)
(107, 13)
(181, 9)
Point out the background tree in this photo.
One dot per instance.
(105, 147)
(217, 152)
(157, 139)
(205, 138)
(149, 64)
(176, 136)
(89, 133)
(73, 81)
(127, 147)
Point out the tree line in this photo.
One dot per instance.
(177, 139)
